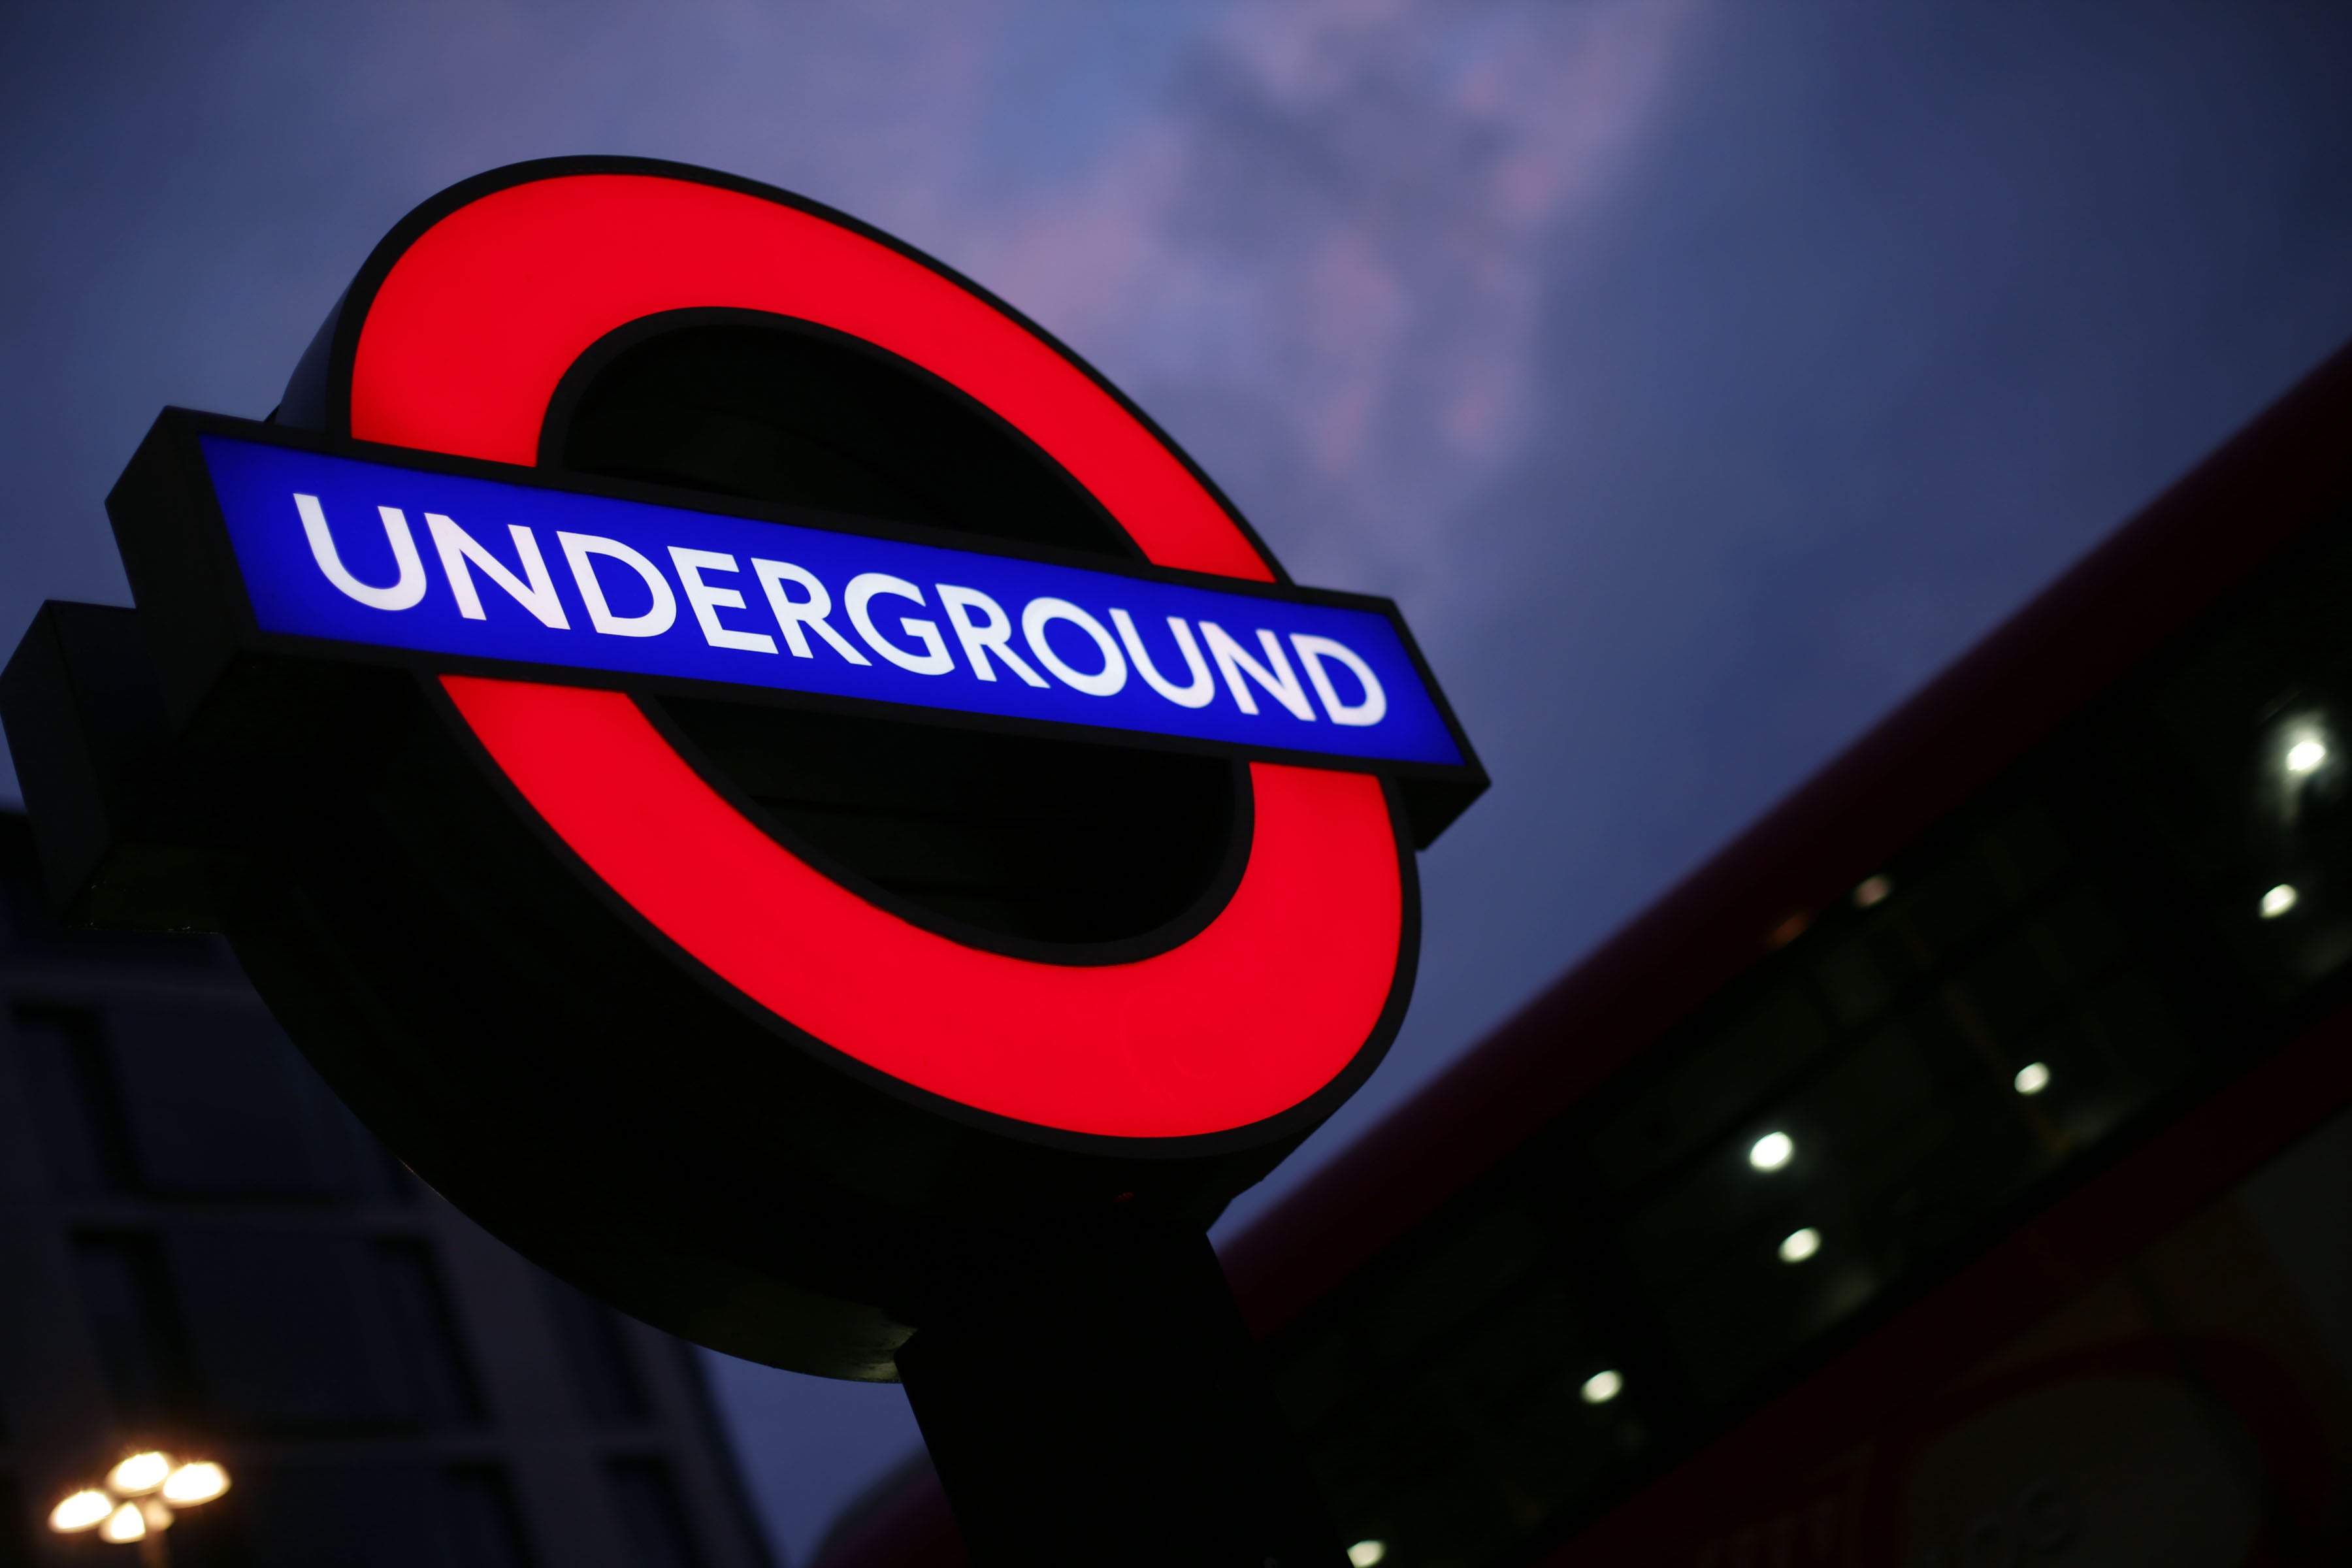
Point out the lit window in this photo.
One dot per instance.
(2033, 1077)
(2278, 901)
(1772, 1150)
(1604, 1386)
(1800, 1245)
(1872, 891)
(1364, 1553)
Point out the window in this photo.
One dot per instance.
(483, 1528)
(653, 1525)
(1882, 1056)
(135, 1319)
(425, 1335)
(191, 1104)
(300, 1513)
(2136, 911)
(220, 1104)
(74, 1096)
(308, 1331)
(595, 1353)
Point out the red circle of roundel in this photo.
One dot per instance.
(461, 349)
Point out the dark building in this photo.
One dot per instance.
(201, 1248)
(1955, 1171)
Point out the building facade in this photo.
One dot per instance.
(201, 1249)
(1955, 1171)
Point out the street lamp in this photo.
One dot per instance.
(137, 1500)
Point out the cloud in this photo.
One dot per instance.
(1323, 264)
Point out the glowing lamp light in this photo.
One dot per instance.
(1872, 891)
(82, 1510)
(1364, 1553)
(138, 1497)
(2279, 899)
(2305, 755)
(2032, 1078)
(127, 1522)
(140, 1474)
(1800, 1245)
(1604, 1386)
(1772, 1150)
(194, 1483)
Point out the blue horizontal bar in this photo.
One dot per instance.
(435, 563)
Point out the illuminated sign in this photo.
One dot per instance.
(433, 562)
(752, 767)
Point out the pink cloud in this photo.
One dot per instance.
(1326, 259)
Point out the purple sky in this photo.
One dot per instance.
(1699, 376)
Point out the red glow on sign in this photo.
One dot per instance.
(461, 349)
(479, 319)
(1249, 1018)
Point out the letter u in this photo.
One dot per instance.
(405, 591)
(1203, 687)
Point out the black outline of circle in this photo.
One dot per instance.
(1172, 932)
(556, 424)
(1299, 1119)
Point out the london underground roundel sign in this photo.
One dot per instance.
(753, 767)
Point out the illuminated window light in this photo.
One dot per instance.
(1800, 1245)
(1872, 891)
(1772, 1150)
(125, 1523)
(2033, 1077)
(139, 1474)
(2305, 755)
(1364, 1553)
(2279, 899)
(1604, 1386)
(82, 1510)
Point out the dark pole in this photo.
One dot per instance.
(1094, 1397)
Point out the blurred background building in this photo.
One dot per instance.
(1955, 1171)
(201, 1249)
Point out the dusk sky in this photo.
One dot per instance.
(1700, 377)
